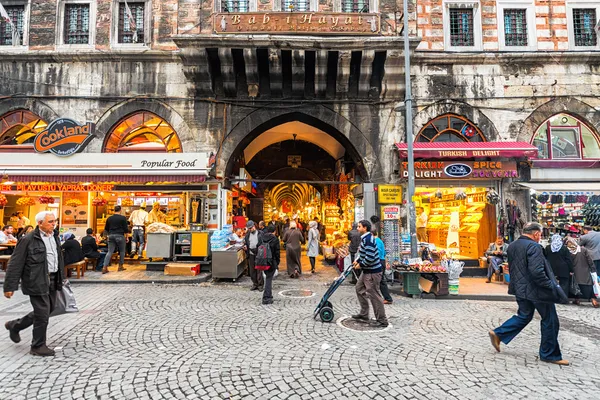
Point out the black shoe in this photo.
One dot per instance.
(14, 334)
(359, 317)
(254, 288)
(312, 271)
(377, 324)
(42, 351)
(261, 288)
(267, 302)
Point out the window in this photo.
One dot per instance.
(235, 5)
(584, 22)
(295, 5)
(77, 24)
(565, 137)
(515, 27)
(462, 26)
(131, 22)
(142, 131)
(354, 6)
(450, 128)
(17, 16)
(19, 127)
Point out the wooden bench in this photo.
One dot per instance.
(4, 262)
(90, 262)
(78, 266)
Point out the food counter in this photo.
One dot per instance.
(229, 262)
(160, 245)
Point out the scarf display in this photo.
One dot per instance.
(556, 243)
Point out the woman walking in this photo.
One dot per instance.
(293, 250)
(560, 260)
(313, 244)
(583, 267)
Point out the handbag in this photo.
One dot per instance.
(574, 290)
(65, 300)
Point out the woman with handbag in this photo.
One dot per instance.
(583, 267)
(312, 250)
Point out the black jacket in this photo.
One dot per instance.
(28, 265)
(273, 242)
(116, 225)
(72, 251)
(247, 240)
(561, 261)
(89, 247)
(531, 278)
(354, 238)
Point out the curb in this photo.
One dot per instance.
(202, 279)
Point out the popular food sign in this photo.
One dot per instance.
(462, 170)
(64, 137)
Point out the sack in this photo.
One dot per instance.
(65, 300)
(596, 284)
(264, 257)
(574, 290)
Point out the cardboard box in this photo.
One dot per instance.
(182, 269)
(427, 286)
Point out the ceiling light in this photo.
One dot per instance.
(86, 183)
(8, 183)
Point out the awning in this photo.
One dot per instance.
(107, 179)
(563, 187)
(454, 150)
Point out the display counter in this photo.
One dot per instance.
(160, 245)
(191, 244)
(228, 263)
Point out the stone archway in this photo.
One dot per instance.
(121, 110)
(35, 106)
(253, 125)
(471, 113)
(576, 108)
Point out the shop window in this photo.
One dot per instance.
(142, 131)
(17, 16)
(19, 128)
(450, 128)
(565, 137)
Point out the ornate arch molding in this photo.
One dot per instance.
(35, 106)
(474, 115)
(121, 110)
(254, 124)
(568, 105)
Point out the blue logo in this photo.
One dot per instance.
(458, 170)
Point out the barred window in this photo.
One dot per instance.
(461, 27)
(128, 27)
(515, 27)
(355, 6)
(77, 24)
(235, 5)
(295, 5)
(17, 15)
(584, 21)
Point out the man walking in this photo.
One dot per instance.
(367, 287)
(138, 220)
(37, 262)
(116, 226)
(251, 241)
(531, 281)
(591, 241)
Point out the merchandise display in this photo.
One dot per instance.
(565, 212)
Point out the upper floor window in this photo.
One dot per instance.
(355, 6)
(515, 27)
(12, 32)
(565, 137)
(450, 128)
(462, 26)
(235, 6)
(582, 19)
(77, 24)
(142, 131)
(295, 5)
(132, 21)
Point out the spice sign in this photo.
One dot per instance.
(297, 23)
(391, 212)
(462, 169)
(389, 194)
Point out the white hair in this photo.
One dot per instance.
(41, 216)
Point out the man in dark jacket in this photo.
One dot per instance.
(117, 227)
(251, 241)
(38, 263)
(533, 284)
(273, 242)
(89, 246)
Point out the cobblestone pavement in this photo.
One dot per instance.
(216, 341)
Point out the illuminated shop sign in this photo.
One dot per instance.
(462, 170)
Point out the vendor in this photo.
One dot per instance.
(496, 255)
(237, 237)
(421, 225)
(156, 215)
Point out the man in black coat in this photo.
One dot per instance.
(273, 242)
(251, 241)
(534, 285)
(38, 263)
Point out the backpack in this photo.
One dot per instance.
(264, 257)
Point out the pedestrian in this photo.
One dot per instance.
(138, 219)
(560, 260)
(354, 238)
(383, 287)
(37, 263)
(71, 249)
(367, 287)
(591, 241)
(117, 227)
(261, 226)
(312, 250)
(321, 229)
(583, 268)
(496, 256)
(273, 242)
(251, 241)
(292, 239)
(532, 283)
(89, 247)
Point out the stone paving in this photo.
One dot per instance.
(216, 341)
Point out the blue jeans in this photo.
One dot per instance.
(137, 238)
(495, 264)
(549, 348)
(115, 242)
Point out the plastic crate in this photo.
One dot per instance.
(411, 283)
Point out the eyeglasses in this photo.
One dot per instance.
(51, 221)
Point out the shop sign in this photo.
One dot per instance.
(462, 170)
(391, 212)
(301, 23)
(389, 194)
(59, 187)
(64, 137)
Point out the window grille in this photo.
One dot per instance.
(126, 29)
(235, 6)
(584, 21)
(354, 6)
(461, 27)
(16, 14)
(515, 27)
(295, 5)
(77, 24)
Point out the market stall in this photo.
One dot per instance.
(228, 260)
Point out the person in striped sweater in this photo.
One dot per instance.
(367, 287)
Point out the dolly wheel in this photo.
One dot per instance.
(326, 314)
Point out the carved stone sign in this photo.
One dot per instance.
(298, 23)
